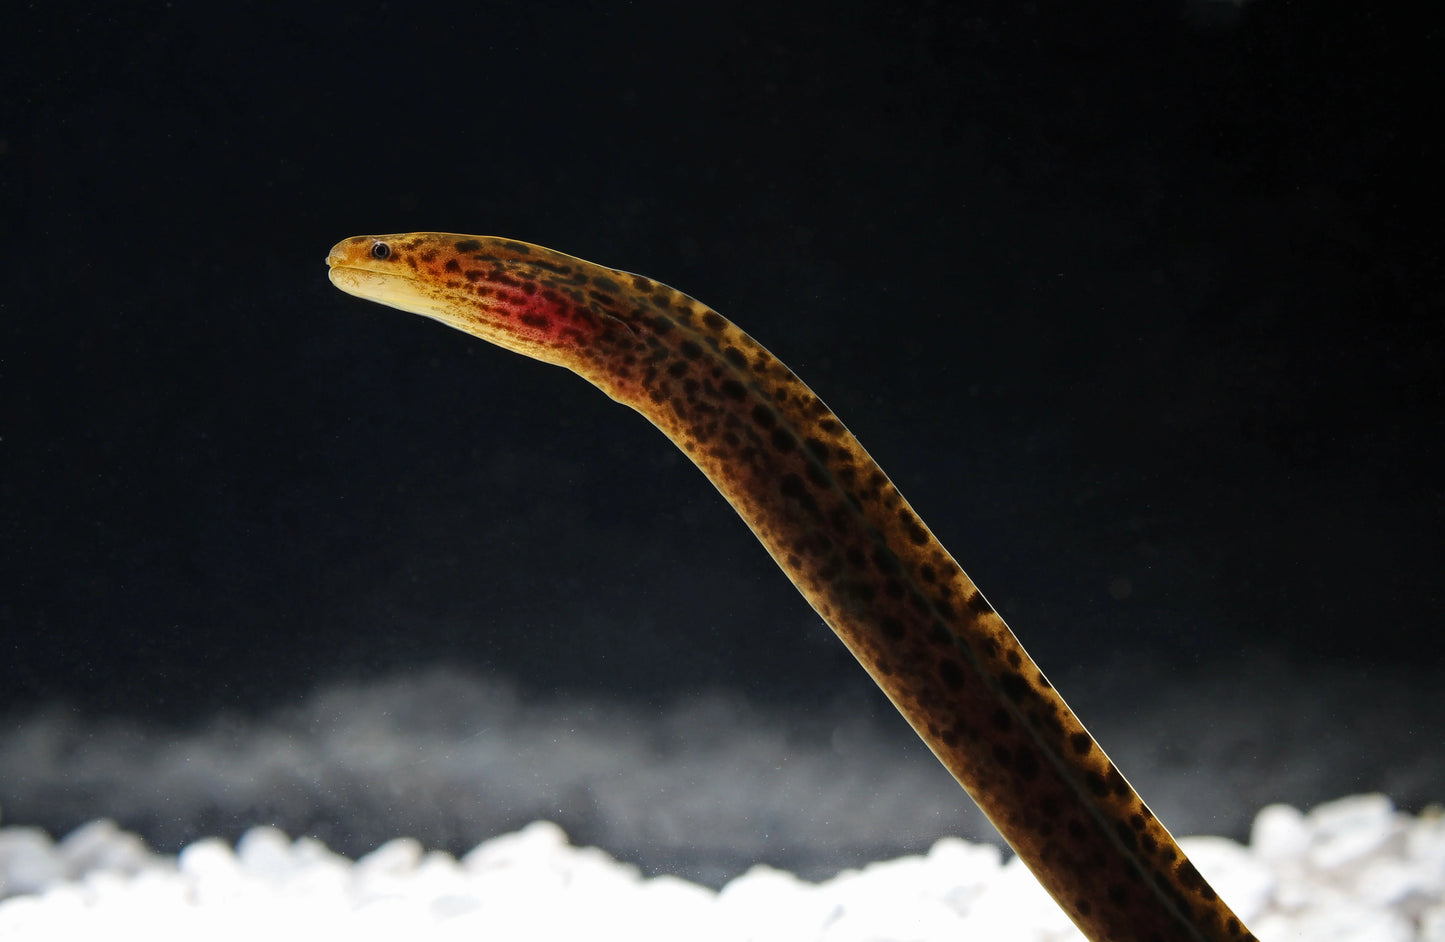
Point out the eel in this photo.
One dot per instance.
(846, 538)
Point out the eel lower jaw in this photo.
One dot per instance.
(382, 288)
(404, 294)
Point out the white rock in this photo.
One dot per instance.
(1351, 829)
(1425, 842)
(1345, 923)
(214, 876)
(265, 853)
(1279, 833)
(1394, 884)
(1350, 813)
(100, 845)
(537, 843)
(1015, 906)
(208, 858)
(1432, 924)
(438, 877)
(395, 857)
(959, 872)
(764, 904)
(29, 861)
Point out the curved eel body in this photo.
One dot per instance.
(848, 540)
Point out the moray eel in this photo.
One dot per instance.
(848, 540)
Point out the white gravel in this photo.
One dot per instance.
(1353, 869)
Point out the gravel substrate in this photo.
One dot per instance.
(1353, 869)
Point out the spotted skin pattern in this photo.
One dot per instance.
(848, 540)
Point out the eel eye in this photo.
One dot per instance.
(380, 250)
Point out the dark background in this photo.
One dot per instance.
(1138, 303)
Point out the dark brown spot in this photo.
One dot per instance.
(712, 320)
(552, 267)
(1014, 686)
(690, 350)
(792, 487)
(912, 527)
(764, 416)
(469, 245)
(1082, 743)
(885, 561)
(819, 543)
(1116, 779)
(1027, 764)
(951, 674)
(453, 266)
(977, 603)
(1189, 878)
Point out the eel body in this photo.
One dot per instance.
(848, 540)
